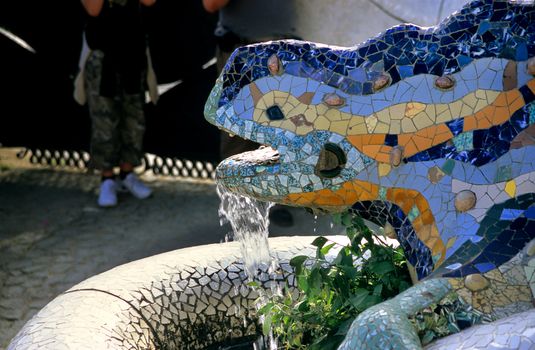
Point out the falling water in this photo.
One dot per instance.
(249, 221)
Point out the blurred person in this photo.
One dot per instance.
(115, 73)
(244, 22)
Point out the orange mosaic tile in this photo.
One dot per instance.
(424, 139)
(355, 191)
(424, 224)
(499, 111)
(349, 193)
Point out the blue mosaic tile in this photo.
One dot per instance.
(442, 50)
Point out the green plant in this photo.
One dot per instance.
(364, 272)
(450, 315)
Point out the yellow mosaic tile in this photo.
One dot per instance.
(282, 102)
(455, 109)
(357, 126)
(340, 127)
(471, 101)
(407, 126)
(422, 120)
(413, 108)
(481, 95)
(371, 122)
(510, 188)
(384, 169)
(466, 110)
(383, 116)
(304, 129)
(322, 109)
(333, 115)
(395, 127)
(322, 123)
(451, 242)
(382, 128)
(397, 111)
(286, 124)
(311, 114)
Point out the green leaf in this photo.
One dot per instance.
(340, 257)
(372, 300)
(298, 261)
(343, 328)
(328, 343)
(351, 232)
(403, 285)
(266, 325)
(319, 241)
(337, 218)
(382, 267)
(346, 219)
(315, 281)
(358, 300)
(252, 284)
(296, 339)
(302, 307)
(428, 337)
(266, 309)
(349, 271)
(333, 294)
(327, 248)
(378, 289)
(302, 283)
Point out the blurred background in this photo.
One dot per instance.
(37, 108)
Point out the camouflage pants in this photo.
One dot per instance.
(118, 123)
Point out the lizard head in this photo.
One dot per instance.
(336, 121)
(265, 95)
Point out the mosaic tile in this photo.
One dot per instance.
(421, 115)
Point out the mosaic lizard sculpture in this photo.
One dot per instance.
(429, 132)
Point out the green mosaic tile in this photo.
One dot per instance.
(448, 166)
(464, 141)
(504, 173)
(382, 193)
(413, 214)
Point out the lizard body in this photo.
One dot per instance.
(426, 131)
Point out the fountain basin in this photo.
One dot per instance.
(184, 299)
(197, 298)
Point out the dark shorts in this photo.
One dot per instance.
(118, 123)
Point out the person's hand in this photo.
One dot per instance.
(93, 7)
(212, 6)
(147, 2)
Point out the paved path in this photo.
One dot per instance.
(52, 234)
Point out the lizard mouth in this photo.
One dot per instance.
(330, 162)
(249, 164)
(263, 156)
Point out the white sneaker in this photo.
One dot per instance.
(108, 193)
(137, 188)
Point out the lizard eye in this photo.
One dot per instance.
(275, 113)
(331, 161)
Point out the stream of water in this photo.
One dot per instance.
(249, 221)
